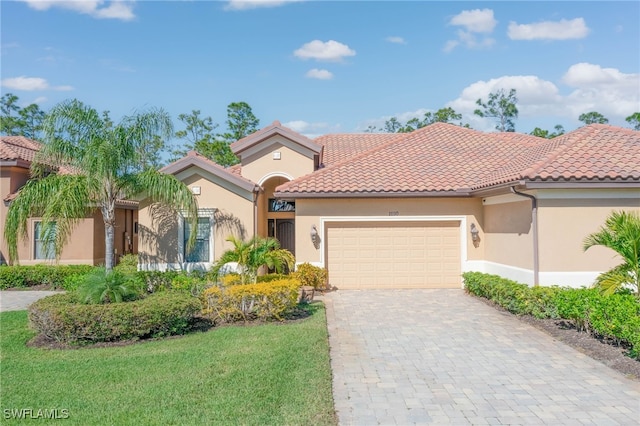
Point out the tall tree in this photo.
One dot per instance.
(559, 130)
(502, 107)
(443, 115)
(17, 121)
(100, 155)
(634, 120)
(240, 121)
(593, 117)
(31, 119)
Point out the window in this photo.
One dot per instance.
(201, 250)
(281, 205)
(42, 249)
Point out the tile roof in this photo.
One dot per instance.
(193, 158)
(448, 159)
(596, 152)
(340, 147)
(438, 158)
(18, 148)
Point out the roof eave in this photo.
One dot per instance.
(251, 140)
(373, 194)
(190, 161)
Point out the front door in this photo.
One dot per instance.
(285, 231)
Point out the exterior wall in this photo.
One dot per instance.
(310, 212)
(564, 223)
(565, 218)
(11, 179)
(80, 249)
(159, 231)
(508, 235)
(293, 163)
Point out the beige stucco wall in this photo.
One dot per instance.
(85, 246)
(564, 223)
(11, 179)
(159, 231)
(310, 211)
(507, 234)
(258, 165)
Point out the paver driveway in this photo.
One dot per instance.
(442, 357)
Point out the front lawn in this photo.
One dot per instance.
(273, 374)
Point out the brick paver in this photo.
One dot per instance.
(404, 357)
(19, 300)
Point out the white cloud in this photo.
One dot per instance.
(549, 30)
(254, 4)
(319, 74)
(396, 40)
(606, 90)
(324, 51)
(476, 24)
(116, 9)
(29, 84)
(311, 130)
(475, 21)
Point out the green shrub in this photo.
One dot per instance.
(310, 275)
(263, 301)
(127, 264)
(575, 304)
(63, 318)
(615, 317)
(115, 286)
(21, 276)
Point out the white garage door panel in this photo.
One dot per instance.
(394, 255)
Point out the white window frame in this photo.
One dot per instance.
(47, 254)
(190, 266)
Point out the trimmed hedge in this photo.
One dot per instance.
(615, 318)
(63, 318)
(22, 276)
(263, 301)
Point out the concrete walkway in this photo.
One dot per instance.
(19, 300)
(442, 357)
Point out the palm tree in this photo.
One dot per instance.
(253, 254)
(103, 161)
(621, 233)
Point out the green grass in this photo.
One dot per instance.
(274, 374)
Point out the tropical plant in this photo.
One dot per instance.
(621, 233)
(253, 254)
(101, 286)
(102, 159)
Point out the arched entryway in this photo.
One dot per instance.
(276, 218)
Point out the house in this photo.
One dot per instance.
(86, 244)
(410, 210)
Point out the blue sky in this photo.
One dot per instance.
(324, 67)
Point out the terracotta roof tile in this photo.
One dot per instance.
(437, 158)
(18, 148)
(340, 147)
(443, 158)
(594, 152)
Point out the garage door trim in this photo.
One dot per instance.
(363, 219)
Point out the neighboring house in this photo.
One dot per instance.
(86, 244)
(410, 210)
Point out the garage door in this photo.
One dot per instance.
(368, 255)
